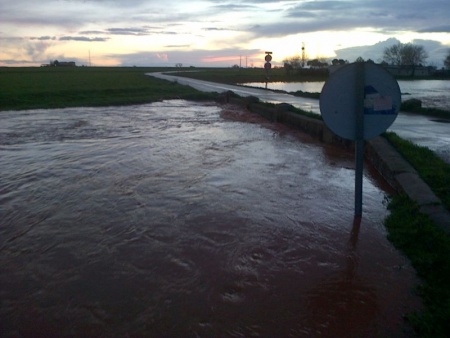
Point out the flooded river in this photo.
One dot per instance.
(432, 93)
(177, 219)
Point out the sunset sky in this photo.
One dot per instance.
(215, 33)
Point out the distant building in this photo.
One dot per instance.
(67, 64)
(57, 63)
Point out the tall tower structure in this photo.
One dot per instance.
(303, 55)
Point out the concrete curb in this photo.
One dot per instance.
(405, 179)
(384, 157)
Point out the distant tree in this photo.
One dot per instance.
(294, 62)
(392, 55)
(447, 61)
(316, 63)
(414, 55)
(288, 68)
(405, 54)
(178, 65)
(360, 59)
(336, 62)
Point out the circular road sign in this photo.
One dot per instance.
(339, 100)
(267, 65)
(268, 58)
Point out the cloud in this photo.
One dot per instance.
(128, 31)
(325, 5)
(435, 49)
(18, 63)
(143, 59)
(307, 15)
(374, 52)
(135, 31)
(207, 24)
(310, 16)
(162, 57)
(82, 38)
(92, 32)
(36, 51)
(436, 29)
(231, 7)
(177, 46)
(219, 58)
(216, 29)
(30, 51)
(43, 38)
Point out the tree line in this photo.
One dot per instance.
(400, 54)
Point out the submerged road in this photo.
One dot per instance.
(424, 131)
(186, 219)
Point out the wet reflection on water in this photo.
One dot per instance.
(181, 219)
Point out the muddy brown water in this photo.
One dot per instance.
(177, 219)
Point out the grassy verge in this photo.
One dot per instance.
(53, 87)
(426, 245)
(433, 170)
(428, 249)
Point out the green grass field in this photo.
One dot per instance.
(53, 87)
(58, 87)
(244, 75)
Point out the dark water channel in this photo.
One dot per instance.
(185, 220)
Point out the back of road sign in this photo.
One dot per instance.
(339, 100)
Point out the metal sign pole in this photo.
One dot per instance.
(268, 65)
(358, 102)
(359, 139)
